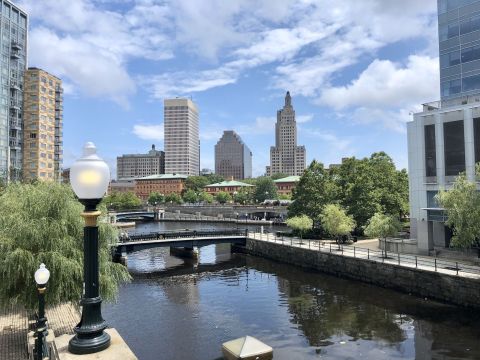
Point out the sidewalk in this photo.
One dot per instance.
(15, 323)
(425, 263)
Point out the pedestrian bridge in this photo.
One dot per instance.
(133, 215)
(182, 238)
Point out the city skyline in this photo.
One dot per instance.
(119, 60)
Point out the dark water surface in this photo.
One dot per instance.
(177, 309)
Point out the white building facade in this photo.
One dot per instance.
(443, 141)
(182, 150)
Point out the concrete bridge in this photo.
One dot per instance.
(134, 215)
(230, 211)
(185, 241)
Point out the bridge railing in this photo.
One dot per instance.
(170, 235)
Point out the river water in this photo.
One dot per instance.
(177, 309)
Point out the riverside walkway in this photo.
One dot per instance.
(15, 323)
(426, 263)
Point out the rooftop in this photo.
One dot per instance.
(163, 177)
(450, 103)
(293, 178)
(229, 183)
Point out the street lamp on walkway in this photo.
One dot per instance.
(41, 278)
(89, 177)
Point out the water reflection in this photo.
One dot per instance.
(184, 309)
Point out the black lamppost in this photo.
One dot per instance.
(89, 177)
(41, 278)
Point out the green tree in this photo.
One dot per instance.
(205, 197)
(156, 197)
(173, 198)
(370, 185)
(242, 197)
(314, 190)
(301, 224)
(265, 189)
(285, 197)
(122, 200)
(382, 226)
(462, 206)
(41, 223)
(335, 221)
(223, 197)
(190, 196)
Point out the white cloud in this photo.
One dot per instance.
(90, 47)
(304, 118)
(387, 92)
(262, 125)
(307, 42)
(149, 132)
(385, 84)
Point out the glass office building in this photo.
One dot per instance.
(459, 45)
(13, 40)
(444, 139)
(233, 159)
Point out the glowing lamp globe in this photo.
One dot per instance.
(42, 275)
(89, 175)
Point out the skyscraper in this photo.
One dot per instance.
(182, 155)
(140, 165)
(232, 157)
(286, 157)
(13, 41)
(444, 139)
(459, 44)
(42, 126)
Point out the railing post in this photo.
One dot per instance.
(342, 248)
(291, 241)
(368, 254)
(330, 247)
(309, 243)
(398, 254)
(435, 264)
(456, 266)
(416, 262)
(354, 255)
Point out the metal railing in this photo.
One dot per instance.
(190, 234)
(404, 260)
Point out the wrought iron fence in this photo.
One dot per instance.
(405, 260)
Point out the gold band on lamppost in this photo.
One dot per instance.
(91, 217)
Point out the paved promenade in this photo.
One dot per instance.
(15, 323)
(427, 263)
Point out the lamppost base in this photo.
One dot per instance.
(81, 345)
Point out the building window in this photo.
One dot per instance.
(430, 151)
(454, 144)
(451, 87)
(471, 83)
(431, 199)
(452, 59)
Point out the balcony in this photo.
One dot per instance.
(16, 46)
(15, 86)
(15, 105)
(15, 55)
(15, 124)
(15, 143)
(59, 91)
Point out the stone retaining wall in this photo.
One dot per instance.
(433, 285)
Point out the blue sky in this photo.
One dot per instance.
(355, 69)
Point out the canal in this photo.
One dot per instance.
(176, 309)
